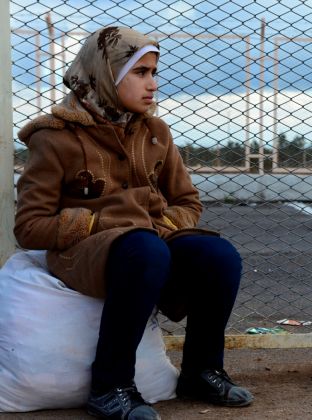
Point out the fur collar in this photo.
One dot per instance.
(69, 110)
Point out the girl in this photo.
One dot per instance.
(106, 193)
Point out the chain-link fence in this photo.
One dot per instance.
(235, 86)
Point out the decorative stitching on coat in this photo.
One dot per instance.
(153, 176)
(134, 163)
(67, 258)
(144, 163)
(103, 169)
(106, 174)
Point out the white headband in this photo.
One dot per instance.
(136, 57)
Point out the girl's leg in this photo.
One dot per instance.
(208, 270)
(138, 268)
(206, 274)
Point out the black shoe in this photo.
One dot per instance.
(213, 386)
(124, 403)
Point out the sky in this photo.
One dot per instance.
(202, 77)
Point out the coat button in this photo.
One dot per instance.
(125, 185)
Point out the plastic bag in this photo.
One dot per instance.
(48, 337)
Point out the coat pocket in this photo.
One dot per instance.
(125, 209)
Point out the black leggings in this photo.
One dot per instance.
(195, 276)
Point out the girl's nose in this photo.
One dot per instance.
(152, 84)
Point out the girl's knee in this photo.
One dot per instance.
(226, 250)
(143, 246)
(151, 249)
(216, 250)
(142, 260)
(219, 257)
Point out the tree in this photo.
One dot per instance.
(291, 153)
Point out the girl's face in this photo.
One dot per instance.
(136, 89)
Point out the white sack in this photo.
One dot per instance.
(48, 336)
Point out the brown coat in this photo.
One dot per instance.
(119, 179)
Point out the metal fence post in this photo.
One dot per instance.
(6, 138)
(238, 100)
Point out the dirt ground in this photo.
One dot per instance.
(277, 271)
(280, 379)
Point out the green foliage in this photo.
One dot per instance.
(291, 153)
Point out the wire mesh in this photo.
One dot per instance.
(235, 87)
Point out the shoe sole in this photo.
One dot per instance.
(217, 402)
(96, 414)
(101, 416)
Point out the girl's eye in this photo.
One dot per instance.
(143, 72)
(140, 72)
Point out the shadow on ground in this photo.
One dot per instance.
(280, 379)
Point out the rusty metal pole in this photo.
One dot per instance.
(262, 84)
(52, 55)
(7, 242)
(275, 153)
(38, 73)
(248, 105)
(63, 58)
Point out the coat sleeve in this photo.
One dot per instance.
(184, 206)
(39, 224)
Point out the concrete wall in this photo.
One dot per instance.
(254, 187)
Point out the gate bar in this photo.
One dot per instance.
(7, 243)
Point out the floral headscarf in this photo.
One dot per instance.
(93, 73)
